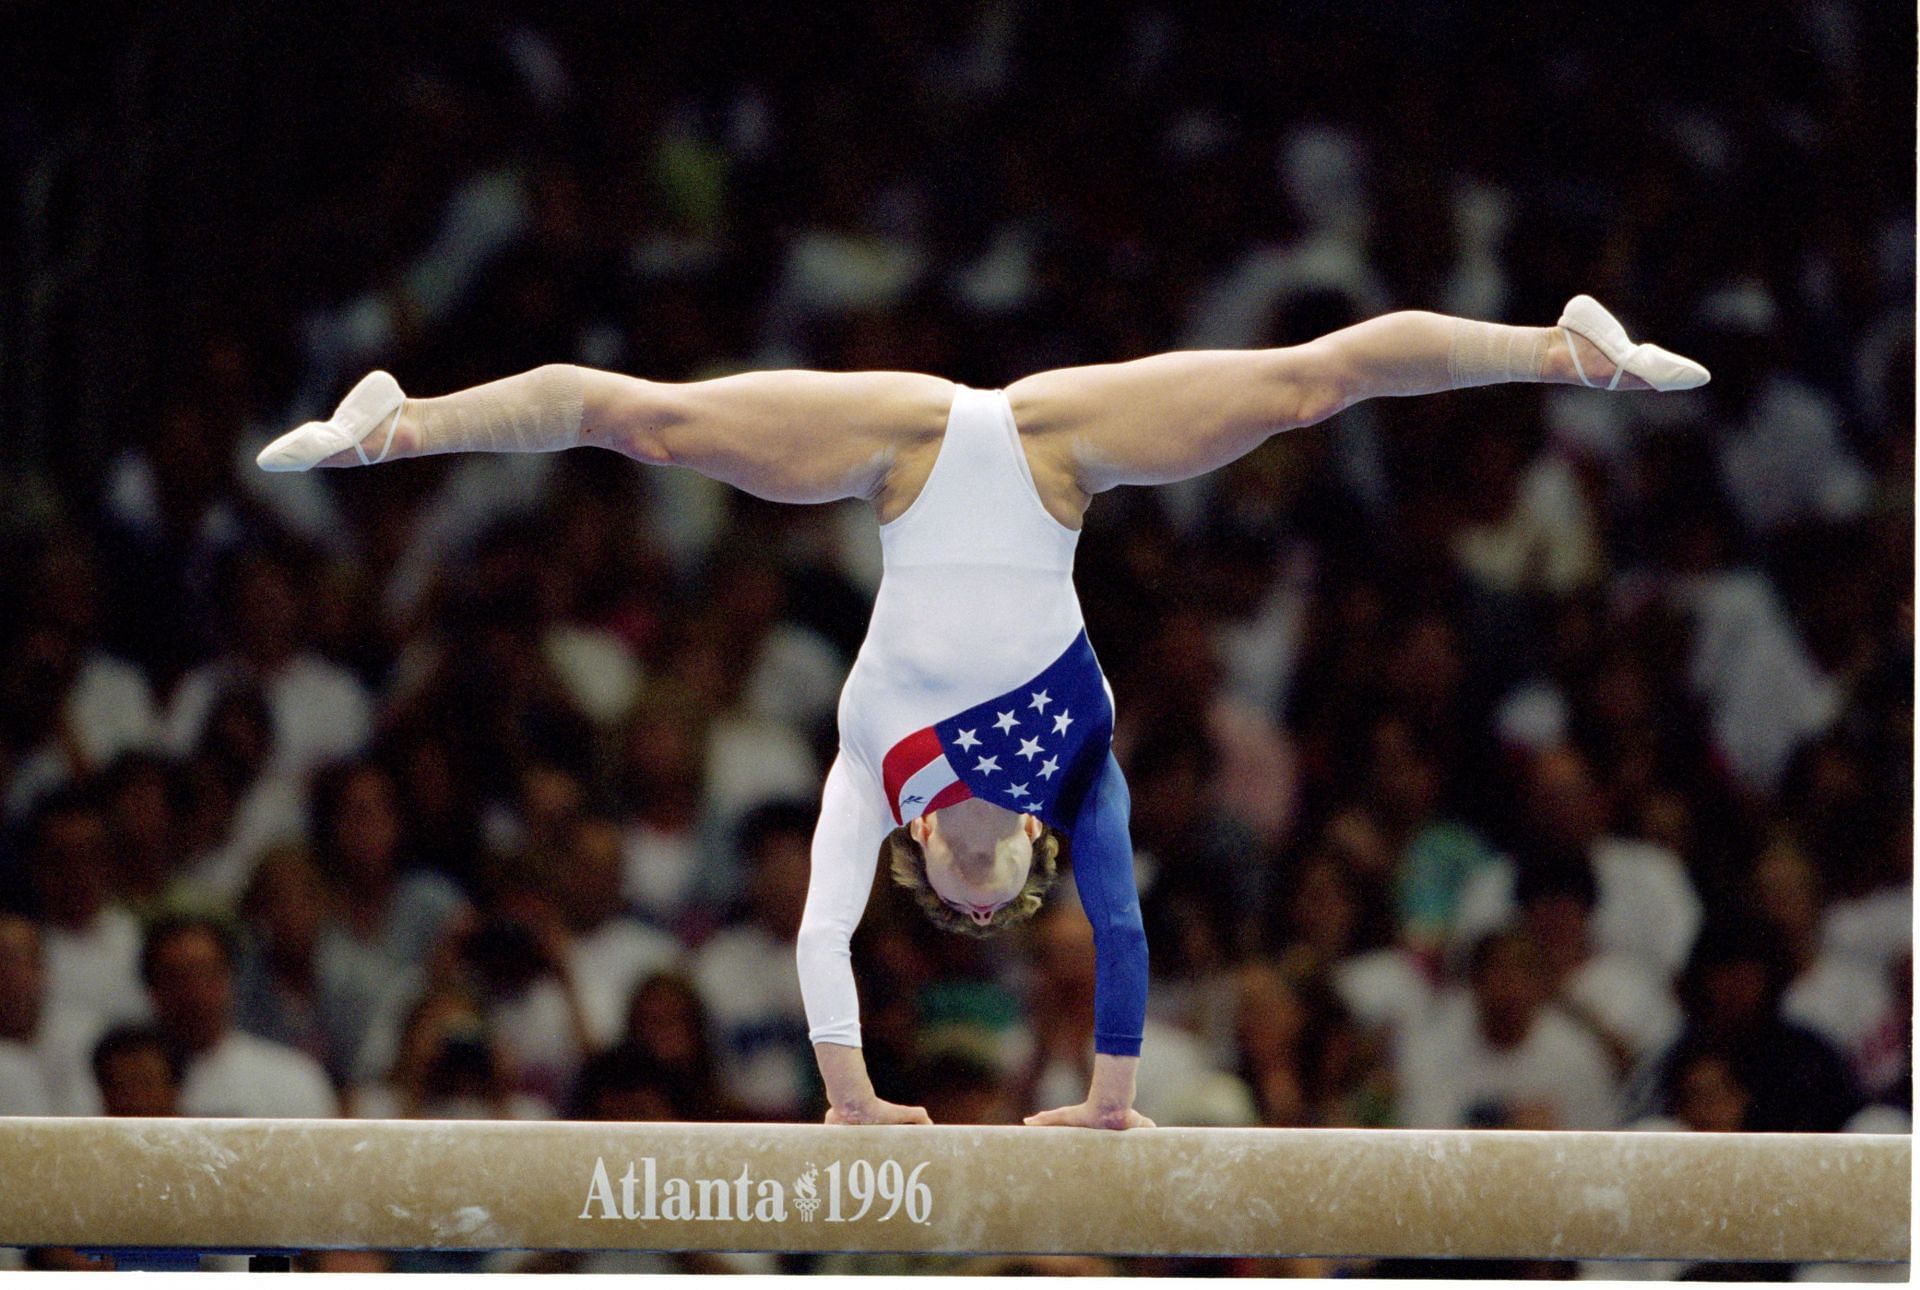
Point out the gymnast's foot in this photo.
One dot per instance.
(1589, 347)
(363, 431)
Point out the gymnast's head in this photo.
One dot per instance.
(974, 867)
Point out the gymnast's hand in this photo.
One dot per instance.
(1109, 1103)
(876, 1111)
(1091, 1115)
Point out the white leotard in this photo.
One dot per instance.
(976, 601)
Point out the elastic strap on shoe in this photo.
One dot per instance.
(1573, 352)
(386, 447)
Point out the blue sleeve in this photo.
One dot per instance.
(1102, 856)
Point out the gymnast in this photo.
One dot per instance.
(975, 724)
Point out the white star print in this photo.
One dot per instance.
(1018, 790)
(988, 765)
(1047, 768)
(967, 739)
(1029, 748)
(1061, 722)
(1041, 700)
(1005, 721)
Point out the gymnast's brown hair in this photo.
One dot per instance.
(908, 865)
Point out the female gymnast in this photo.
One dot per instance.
(975, 721)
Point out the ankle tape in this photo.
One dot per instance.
(1492, 353)
(536, 411)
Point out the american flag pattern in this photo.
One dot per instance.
(1034, 749)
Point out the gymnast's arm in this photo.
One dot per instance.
(1103, 877)
(788, 436)
(846, 849)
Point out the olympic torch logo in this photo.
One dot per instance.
(806, 1197)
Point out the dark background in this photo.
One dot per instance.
(1492, 628)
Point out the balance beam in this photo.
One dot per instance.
(395, 1184)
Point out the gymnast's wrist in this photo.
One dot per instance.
(1113, 1083)
(843, 1070)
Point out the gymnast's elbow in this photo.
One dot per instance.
(1122, 934)
(821, 940)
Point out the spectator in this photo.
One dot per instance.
(137, 1072)
(1498, 1055)
(515, 961)
(45, 1045)
(300, 982)
(1732, 992)
(142, 796)
(1203, 891)
(239, 806)
(1613, 995)
(1338, 919)
(1302, 1055)
(1059, 1005)
(395, 914)
(319, 711)
(662, 784)
(610, 951)
(187, 964)
(437, 800)
(1645, 905)
(449, 1065)
(1838, 998)
(745, 976)
(91, 946)
(93, 704)
(667, 1023)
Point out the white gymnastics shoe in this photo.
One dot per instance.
(1663, 370)
(377, 398)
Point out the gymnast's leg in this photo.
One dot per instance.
(786, 436)
(1170, 417)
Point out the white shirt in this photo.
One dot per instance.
(1383, 987)
(1765, 692)
(23, 1086)
(536, 1028)
(659, 871)
(753, 999)
(274, 809)
(1841, 1000)
(1626, 999)
(1646, 904)
(62, 1050)
(1546, 540)
(1875, 929)
(109, 708)
(750, 760)
(320, 711)
(244, 1075)
(97, 970)
(599, 671)
(1445, 1067)
(609, 963)
(796, 679)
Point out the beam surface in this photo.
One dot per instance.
(371, 1184)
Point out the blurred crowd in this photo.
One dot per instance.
(1521, 757)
